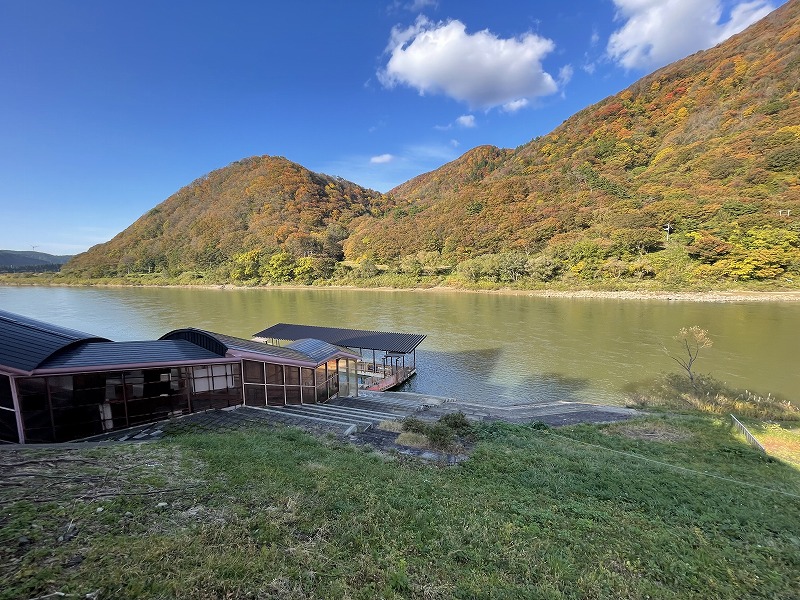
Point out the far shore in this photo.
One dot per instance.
(688, 296)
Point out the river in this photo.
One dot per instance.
(492, 347)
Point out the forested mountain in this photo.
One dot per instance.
(236, 219)
(690, 174)
(708, 147)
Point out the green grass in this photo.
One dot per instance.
(667, 507)
(781, 440)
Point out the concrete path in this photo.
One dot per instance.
(553, 413)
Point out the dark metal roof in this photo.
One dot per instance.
(351, 338)
(314, 352)
(320, 351)
(26, 343)
(109, 354)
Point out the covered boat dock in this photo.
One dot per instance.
(398, 351)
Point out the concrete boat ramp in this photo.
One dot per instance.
(346, 416)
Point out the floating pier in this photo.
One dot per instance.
(388, 359)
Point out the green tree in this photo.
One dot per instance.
(246, 265)
(279, 268)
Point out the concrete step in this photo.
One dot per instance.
(311, 411)
(278, 414)
(371, 407)
(403, 397)
(376, 415)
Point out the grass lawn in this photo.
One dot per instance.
(781, 440)
(578, 512)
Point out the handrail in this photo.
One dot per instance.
(748, 436)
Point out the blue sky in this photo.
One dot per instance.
(109, 107)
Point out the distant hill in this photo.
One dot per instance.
(689, 175)
(22, 260)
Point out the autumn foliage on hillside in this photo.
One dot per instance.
(692, 174)
(706, 150)
(238, 219)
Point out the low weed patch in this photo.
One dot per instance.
(449, 434)
(706, 394)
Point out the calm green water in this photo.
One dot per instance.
(491, 347)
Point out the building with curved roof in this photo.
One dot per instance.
(58, 384)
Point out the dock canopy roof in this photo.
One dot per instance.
(26, 343)
(306, 352)
(402, 343)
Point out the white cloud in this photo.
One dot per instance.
(413, 5)
(479, 69)
(515, 105)
(408, 162)
(657, 32)
(565, 74)
(743, 15)
(466, 121)
(418, 5)
(381, 159)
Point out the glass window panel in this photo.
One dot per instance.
(60, 390)
(307, 376)
(134, 385)
(32, 394)
(254, 395)
(309, 395)
(275, 395)
(38, 430)
(156, 383)
(90, 389)
(222, 383)
(77, 422)
(114, 387)
(322, 392)
(274, 374)
(253, 372)
(6, 401)
(8, 425)
(292, 394)
(292, 375)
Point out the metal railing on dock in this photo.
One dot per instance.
(392, 378)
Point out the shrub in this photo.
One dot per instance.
(415, 425)
(458, 422)
(440, 436)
